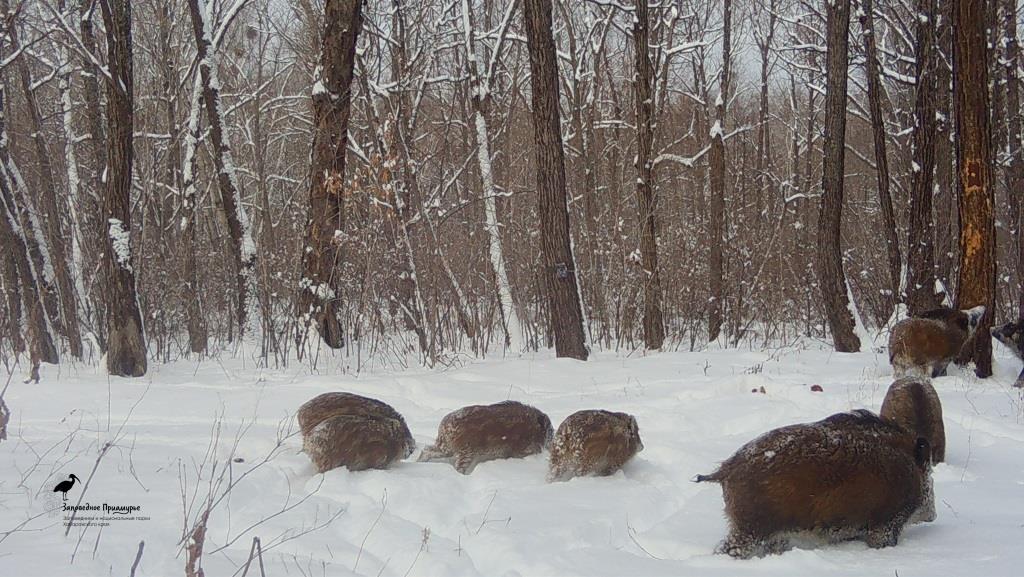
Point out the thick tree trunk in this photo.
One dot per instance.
(716, 163)
(331, 110)
(647, 202)
(227, 182)
(126, 345)
(920, 237)
(977, 280)
(892, 241)
(559, 270)
(831, 277)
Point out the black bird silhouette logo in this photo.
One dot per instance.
(65, 486)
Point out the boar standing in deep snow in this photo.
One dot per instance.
(913, 404)
(348, 430)
(478, 433)
(849, 476)
(924, 345)
(593, 442)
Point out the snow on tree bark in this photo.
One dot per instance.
(227, 180)
(126, 344)
(331, 112)
(643, 83)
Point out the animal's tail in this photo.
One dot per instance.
(715, 477)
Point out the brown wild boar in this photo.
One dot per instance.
(339, 403)
(357, 442)
(344, 429)
(924, 345)
(849, 476)
(1012, 335)
(593, 442)
(912, 403)
(478, 433)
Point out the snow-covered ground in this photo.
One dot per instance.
(694, 409)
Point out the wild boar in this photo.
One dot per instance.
(924, 345)
(849, 476)
(345, 429)
(478, 433)
(1012, 335)
(912, 403)
(593, 442)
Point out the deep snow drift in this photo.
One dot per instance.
(693, 409)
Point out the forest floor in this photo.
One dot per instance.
(153, 443)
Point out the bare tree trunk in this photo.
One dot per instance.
(945, 203)
(920, 238)
(126, 345)
(1015, 172)
(831, 276)
(197, 333)
(892, 241)
(717, 166)
(559, 270)
(51, 213)
(647, 202)
(95, 233)
(230, 192)
(977, 280)
(481, 102)
(331, 110)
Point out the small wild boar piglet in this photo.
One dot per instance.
(593, 442)
(913, 404)
(478, 433)
(347, 430)
(924, 345)
(849, 476)
(1012, 335)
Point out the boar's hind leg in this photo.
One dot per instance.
(939, 370)
(887, 535)
(745, 546)
(1020, 380)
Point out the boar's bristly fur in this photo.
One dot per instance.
(913, 404)
(478, 433)
(849, 476)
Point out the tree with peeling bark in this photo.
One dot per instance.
(227, 181)
(977, 279)
(126, 344)
(920, 239)
(831, 276)
(643, 84)
(331, 112)
(558, 264)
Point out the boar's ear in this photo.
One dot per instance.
(922, 452)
